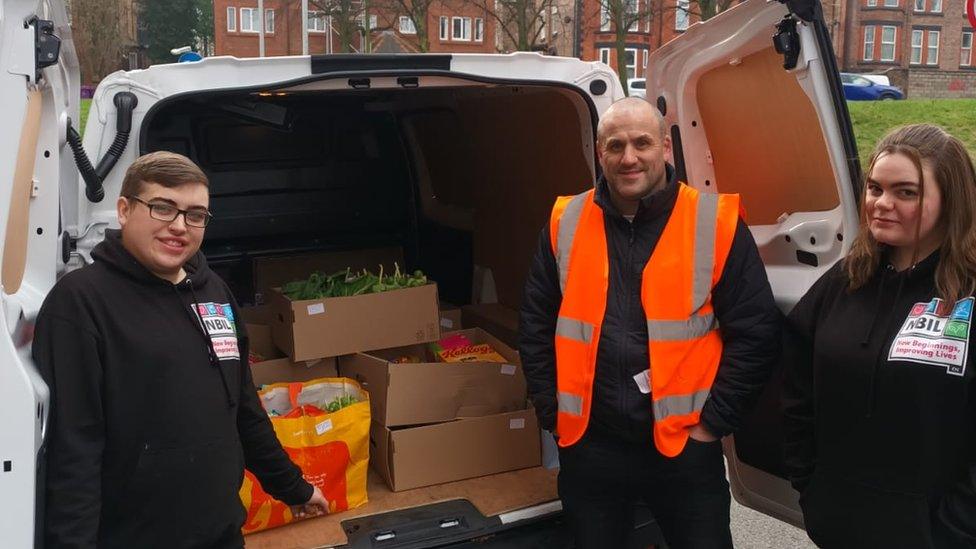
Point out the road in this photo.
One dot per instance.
(754, 530)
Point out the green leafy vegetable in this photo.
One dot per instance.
(341, 402)
(347, 284)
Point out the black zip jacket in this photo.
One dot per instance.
(743, 302)
(880, 412)
(152, 419)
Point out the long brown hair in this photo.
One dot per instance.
(955, 276)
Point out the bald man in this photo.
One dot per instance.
(621, 345)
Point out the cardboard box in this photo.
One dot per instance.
(412, 457)
(276, 368)
(431, 392)
(273, 272)
(494, 318)
(450, 317)
(317, 328)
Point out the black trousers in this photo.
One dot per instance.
(601, 481)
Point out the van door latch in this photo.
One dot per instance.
(787, 42)
(47, 45)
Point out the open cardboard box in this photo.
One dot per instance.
(431, 392)
(411, 457)
(277, 368)
(273, 272)
(316, 328)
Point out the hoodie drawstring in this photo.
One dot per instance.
(198, 322)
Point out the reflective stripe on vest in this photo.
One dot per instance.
(567, 232)
(680, 330)
(704, 249)
(676, 295)
(576, 330)
(569, 403)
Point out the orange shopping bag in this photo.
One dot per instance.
(323, 424)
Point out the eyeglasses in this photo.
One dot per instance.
(162, 211)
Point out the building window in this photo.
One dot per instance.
(872, 3)
(445, 28)
(933, 50)
(869, 43)
(966, 49)
(407, 26)
(631, 62)
(605, 56)
(919, 5)
(681, 15)
(891, 3)
(604, 16)
(917, 36)
(937, 6)
(633, 7)
(479, 29)
(461, 28)
(316, 21)
(645, 62)
(231, 19)
(249, 20)
(888, 35)
(269, 21)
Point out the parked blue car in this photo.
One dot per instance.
(858, 88)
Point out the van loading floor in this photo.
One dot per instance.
(492, 495)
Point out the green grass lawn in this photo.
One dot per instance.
(85, 105)
(873, 119)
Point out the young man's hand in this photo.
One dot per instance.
(701, 434)
(315, 506)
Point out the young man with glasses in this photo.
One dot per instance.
(154, 414)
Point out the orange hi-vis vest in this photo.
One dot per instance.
(683, 338)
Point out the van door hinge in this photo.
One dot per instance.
(787, 42)
(47, 45)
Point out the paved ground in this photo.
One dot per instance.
(754, 530)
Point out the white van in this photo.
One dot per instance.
(454, 158)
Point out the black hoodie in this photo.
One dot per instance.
(881, 413)
(152, 419)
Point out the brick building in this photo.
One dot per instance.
(456, 26)
(660, 21)
(924, 46)
(453, 26)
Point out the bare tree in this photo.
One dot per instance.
(346, 19)
(623, 17)
(525, 24)
(706, 9)
(416, 10)
(99, 36)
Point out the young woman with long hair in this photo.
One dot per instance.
(880, 399)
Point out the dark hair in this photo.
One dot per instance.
(164, 168)
(955, 276)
